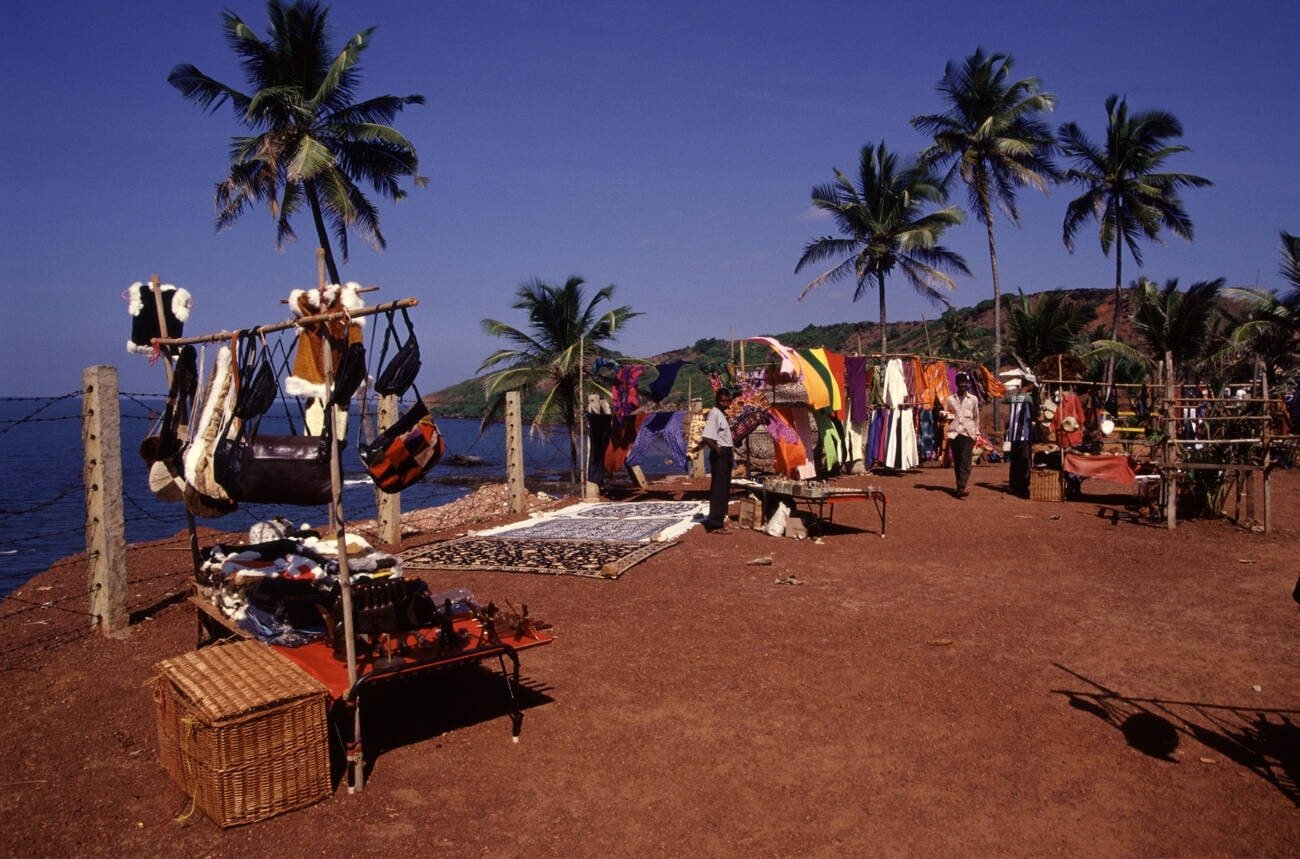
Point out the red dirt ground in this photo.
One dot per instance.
(994, 677)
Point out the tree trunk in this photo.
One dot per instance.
(1114, 325)
(997, 304)
(884, 339)
(321, 233)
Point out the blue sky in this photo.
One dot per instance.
(667, 147)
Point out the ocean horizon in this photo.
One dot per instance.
(42, 503)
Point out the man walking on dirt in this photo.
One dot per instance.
(963, 409)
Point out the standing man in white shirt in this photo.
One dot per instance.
(717, 437)
(963, 409)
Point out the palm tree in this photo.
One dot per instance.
(884, 227)
(312, 143)
(991, 138)
(1056, 326)
(1124, 190)
(958, 335)
(563, 326)
(1270, 328)
(1174, 322)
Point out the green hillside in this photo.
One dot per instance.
(922, 337)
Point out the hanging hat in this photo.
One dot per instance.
(1107, 425)
(1049, 410)
(1070, 424)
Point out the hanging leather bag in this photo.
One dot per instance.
(404, 452)
(398, 375)
(262, 468)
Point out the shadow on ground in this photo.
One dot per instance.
(1264, 741)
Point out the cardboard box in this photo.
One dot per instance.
(748, 516)
(794, 527)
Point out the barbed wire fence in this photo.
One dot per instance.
(42, 521)
(42, 527)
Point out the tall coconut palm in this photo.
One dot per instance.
(1124, 188)
(885, 226)
(563, 326)
(313, 144)
(991, 138)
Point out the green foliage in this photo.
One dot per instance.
(1127, 188)
(991, 138)
(313, 145)
(884, 225)
(565, 330)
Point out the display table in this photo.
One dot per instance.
(466, 640)
(820, 499)
(1112, 467)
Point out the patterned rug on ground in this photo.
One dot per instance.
(592, 558)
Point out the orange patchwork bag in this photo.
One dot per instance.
(401, 454)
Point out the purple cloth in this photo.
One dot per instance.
(662, 386)
(855, 377)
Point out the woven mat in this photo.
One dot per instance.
(593, 558)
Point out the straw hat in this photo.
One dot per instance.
(1049, 410)
(1070, 424)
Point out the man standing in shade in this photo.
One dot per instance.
(1020, 435)
(717, 436)
(963, 411)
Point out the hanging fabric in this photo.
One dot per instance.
(143, 306)
(662, 386)
(308, 376)
(666, 426)
(627, 399)
(204, 495)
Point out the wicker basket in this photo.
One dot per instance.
(1045, 485)
(243, 731)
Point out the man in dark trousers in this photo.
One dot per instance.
(1020, 435)
(717, 437)
(963, 410)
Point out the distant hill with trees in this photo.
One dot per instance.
(965, 332)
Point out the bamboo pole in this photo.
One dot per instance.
(222, 336)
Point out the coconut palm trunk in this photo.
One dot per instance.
(318, 218)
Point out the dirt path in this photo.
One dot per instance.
(995, 676)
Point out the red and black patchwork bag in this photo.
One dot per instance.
(401, 454)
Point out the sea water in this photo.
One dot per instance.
(42, 498)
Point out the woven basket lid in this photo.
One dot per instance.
(227, 680)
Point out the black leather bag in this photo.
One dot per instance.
(277, 469)
(398, 376)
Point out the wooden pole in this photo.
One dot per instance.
(388, 505)
(515, 453)
(101, 439)
(1171, 450)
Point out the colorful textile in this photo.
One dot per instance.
(789, 364)
(855, 379)
(790, 450)
(1067, 408)
(627, 399)
(668, 426)
(815, 378)
(830, 436)
(1114, 467)
(662, 386)
(747, 412)
(620, 442)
